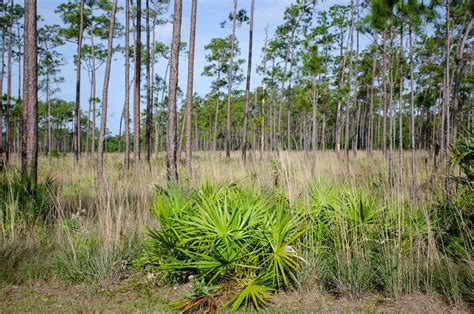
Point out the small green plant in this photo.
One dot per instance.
(255, 293)
(201, 298)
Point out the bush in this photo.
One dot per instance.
(227, 234)
(356, 245)
(23, 201)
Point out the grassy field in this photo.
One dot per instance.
(363, 245)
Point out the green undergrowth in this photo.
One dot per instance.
(348, 241)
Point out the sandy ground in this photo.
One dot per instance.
(137, 295)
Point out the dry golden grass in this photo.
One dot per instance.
(124, 205)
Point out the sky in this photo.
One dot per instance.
(209, 16)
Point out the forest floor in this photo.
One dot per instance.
(134, 295)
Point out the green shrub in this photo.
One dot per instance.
(356, 244)
(227, 233)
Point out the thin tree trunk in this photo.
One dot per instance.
(400, 113)
(391, 135)
(356, 119)
(229, 92)
(158, 113)
(152, 83)
(314, 130)
(370, 132)
(30, 94)
(264, 86)
(412, 118)
(148, 87)
(48, 126)
(447, 95)
(126, 113)
(247, 85)
(105, 91)
(384, 93)
(94, 96)
(349, 96)
(77, 117)
(8, 140)
(2, 72)
(189, 100)
(181, 138)
(323, 127)
(136, 93)
(88, 124)
(172, 171)
(458, 68)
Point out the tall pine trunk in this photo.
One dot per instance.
(370, 131)
(148, 87)
(412, 117)
(384, 94)
(247, 85)
(126, 110)
(136, 92)
(105, 92)
(229, 92)
(29, 162)
(172, 169)
(400, 113)
(77, 115)
(2, 72)
(8, 127)
(189, 100)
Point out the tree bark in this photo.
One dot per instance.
(447, 95)
(136, 93)
(2, 72)
(229, 92)
(8, 140)
(412, 117)
(30, 94)
(370, 131)
(172, 170)
(94, 97)
(458, 68)
(264, 87)
(349, 96)
(105, 91)
(247, 85)
(384, 93)
(77, 117)
(148, 87)
(189, 100)
(391, 131)
(126, 111)
(400, 113)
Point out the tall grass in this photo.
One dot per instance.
(360, 235)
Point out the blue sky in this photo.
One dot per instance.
(210, 14)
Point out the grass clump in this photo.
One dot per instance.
(227, 233)
(88, 258)
(22, 202)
